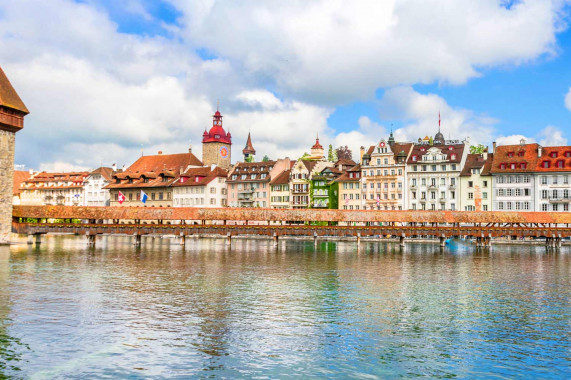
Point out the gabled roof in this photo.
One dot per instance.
(8, 96)
(561, 153)
(420, 150)
(473, 161)
(199, 176)
(159, 162)
(515, 154)
(309, 164)
(249, 169)
(105, 172)
(345, 162)
(345, 176)
(281, 179)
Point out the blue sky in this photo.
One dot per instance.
(106, 80)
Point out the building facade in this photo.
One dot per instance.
(350, 189)
(552, 172)
(476, 183)
(514, 187)
(249, 182)
(384, 175)
(95, 193)
(279, 190)
(201, 187)
(152, 175)
(433, 173)
(12, 113)
(53, 189)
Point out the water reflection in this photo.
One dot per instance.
(330, 309)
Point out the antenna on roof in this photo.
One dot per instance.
(217, 104)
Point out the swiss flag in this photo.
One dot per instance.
(121, 198)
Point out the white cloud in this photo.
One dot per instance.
(548, 136)
(341, 50)
(568, 100)
(552, 136)
(420, 113)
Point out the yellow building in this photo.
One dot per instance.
(476, 183)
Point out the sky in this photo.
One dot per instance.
(107, 81)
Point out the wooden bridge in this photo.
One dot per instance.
(275, 223)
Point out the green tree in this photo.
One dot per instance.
(249, 159)
(305, 156)
(331, 155)
(478, 149)
(266, 158)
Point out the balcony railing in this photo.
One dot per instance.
(560, 199)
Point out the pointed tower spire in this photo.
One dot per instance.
(248, 150)
(439, 137)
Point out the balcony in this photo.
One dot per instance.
(300, 190)
(452, 187)
(560, 199)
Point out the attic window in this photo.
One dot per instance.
(130, 180)
(450, 148)
(452, 156)
(414, 158)
(568, 154)
(553, 154)
(165, 179)
(197, 179)
(523, 165)
(423, 149)
(145, 180)
(521, 153)
(560, 163)
(512, 166)
(502, 166)
(510, 154)
(545, 164)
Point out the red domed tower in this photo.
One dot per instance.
(216, 144)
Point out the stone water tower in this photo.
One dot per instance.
(12, 112)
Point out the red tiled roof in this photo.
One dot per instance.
(556, 158)
(486, 170)
(19, 177)
(420, 150)
(520, 158)
(199, 176)
(345, 176)
(105, 172)
(249, 168)
(282, 178)
(159, 162)
(473, 161)
(8, 96)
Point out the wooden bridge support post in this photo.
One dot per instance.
(275, 239)
(358, 238)
(558, 242)
(229, 238)
(30, 239)
(137, 241)
(35, 238)
(182, 239)
(442, 240)
(402, 240)
(314, 237)
(91, 240)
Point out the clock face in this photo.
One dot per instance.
(223, 152)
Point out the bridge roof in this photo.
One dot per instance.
(255, 214)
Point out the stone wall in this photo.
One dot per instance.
(211, 155)
(7, 145)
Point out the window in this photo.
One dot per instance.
(212, 190)
(523, 165)
(485, 183)
(544, 207)
(544, 180)
(470, 195)
(545, 164)
(555, 207)
(500, 205)
(470, 184)
(484, 195)
(526, 205)
(485, 207)
(500, 192)
(443, 168)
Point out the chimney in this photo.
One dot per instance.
(160, 152)
(190, 148)
(181, 171)
(114, 167)
(123, 168)
(361, 153)
(494, 147)
(539, 149)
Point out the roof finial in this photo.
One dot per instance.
(217, 104)
(438, 120)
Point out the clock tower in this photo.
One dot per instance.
(216, 144)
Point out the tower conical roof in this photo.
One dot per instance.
(249, 148)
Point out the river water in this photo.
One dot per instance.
(254, 310)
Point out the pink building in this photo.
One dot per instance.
(249, 182)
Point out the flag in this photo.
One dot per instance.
(346, 199)
(121, 198)
(143, 197)
(378, 200)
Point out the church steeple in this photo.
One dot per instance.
(248, 150)
(391, 140)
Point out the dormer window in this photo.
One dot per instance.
(130, 180)
(553, 154)
(414, 158)
(560, 163)
(165, 179)
(523, 165)
(502, 166)
(568, 154)
(452, 156)
(521, 153)
(145, 180)
(510, 154)
(512, 166)
(545, 164)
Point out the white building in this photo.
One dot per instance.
(93, 187)
(201, 187)
(434, 174)
(64, 189)
(552, 174)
